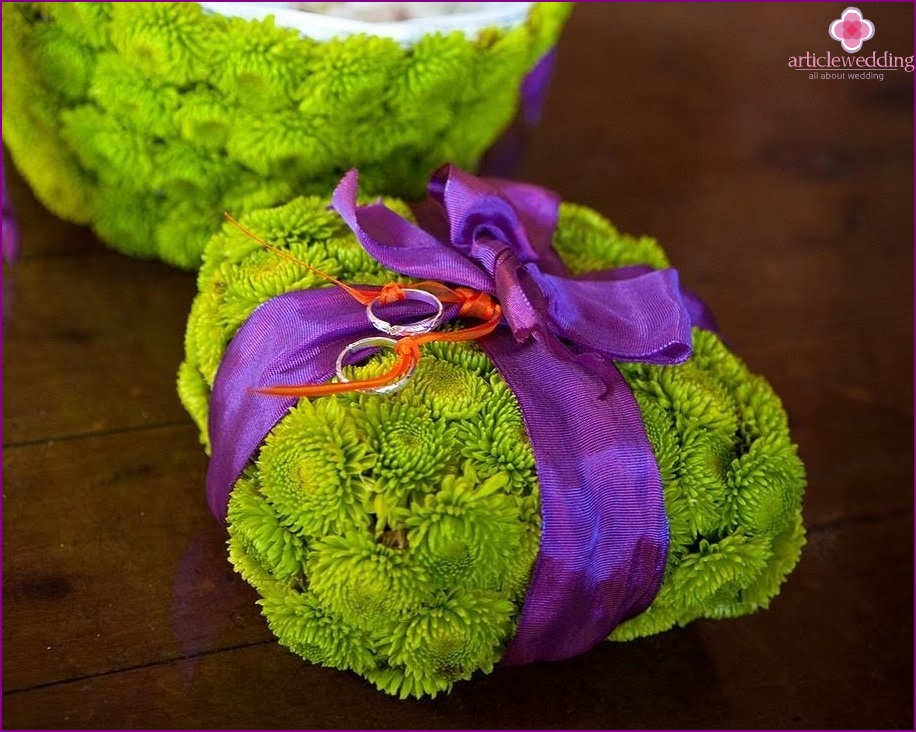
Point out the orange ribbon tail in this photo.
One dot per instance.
(408, 355)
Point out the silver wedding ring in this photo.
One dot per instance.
(420, 326)
(373, 342)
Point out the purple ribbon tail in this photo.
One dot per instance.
(697, 311)
(604, 530)
(10, 240)
(700, 314)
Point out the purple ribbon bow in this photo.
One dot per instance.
(495, 237)
(604, 532)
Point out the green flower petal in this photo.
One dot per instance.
(258, 532)
(142, 106)
(195, 397)
(450, 392)
(364, 582)
(467, 533)
(413, 448)
(456, 634)
(497, 442)
(63, 61)
(765, 485)
(312, 467)
(86, 23)
(305, 627)
(709, 578)
(163, 40)
(257, 64)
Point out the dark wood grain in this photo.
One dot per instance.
(113, 528)
(710, 675)
(95, 343)
(785, 202)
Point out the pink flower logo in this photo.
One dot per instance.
(851, 29)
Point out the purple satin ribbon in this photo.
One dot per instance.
(504, 156)
(10, 241)
(535, 86)
(604, 534)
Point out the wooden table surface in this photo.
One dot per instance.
(785, 201)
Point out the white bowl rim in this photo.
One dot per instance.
(322, 27)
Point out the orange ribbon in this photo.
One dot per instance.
(472, 304)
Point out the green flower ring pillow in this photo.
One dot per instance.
(484, 428)
(146, 120)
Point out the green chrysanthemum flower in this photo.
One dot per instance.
(348, 74)
(205, 340)
(65, 63)
(287, 144)
(68, 190)
(132, 224)
(708, 578)
(786, 546)
(105, 104)
(251, 192)
(395, 535)
(365, 582)
(312, 466)
(588, 241)
(165, 41)
(301, 624)
(267, 274)
(457, 633)
(87, 23)
(702, 463)
(515, 581)
(773, 469)
(413, 447)
(660, 430)
(467, 533)
(194, 393)
(467, 356)
(450, 392)
(497, 442)
(270, 549)
(430, 70)
(761, 412)
(184, 223)
(264, 66)
(133, 99)
(184, 171)
(104, 145)
(202, 120)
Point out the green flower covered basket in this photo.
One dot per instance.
(398, 535)
(147, 120)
